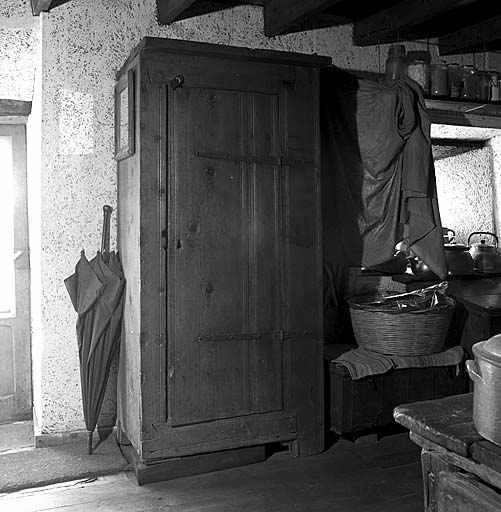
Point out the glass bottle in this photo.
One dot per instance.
(470, 87)
(396, 64)
(439, 83)
(495, 90)
(454, 79)
(418, 68)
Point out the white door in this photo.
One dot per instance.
(15, 332)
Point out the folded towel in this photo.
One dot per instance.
(363, 363)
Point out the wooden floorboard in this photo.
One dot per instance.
(383, 476)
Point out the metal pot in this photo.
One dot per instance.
(459, 260)
(485, 372)
(485, 256)
(421, 269)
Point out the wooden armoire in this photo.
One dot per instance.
(220, 238)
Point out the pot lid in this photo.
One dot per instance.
(489, 349)
(456, 247)
(483, 246)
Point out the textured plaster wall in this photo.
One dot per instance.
(84, 44)
(464, 186)
(18, 37)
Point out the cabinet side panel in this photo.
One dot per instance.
(129, 374)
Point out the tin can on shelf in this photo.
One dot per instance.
(470, 85)
(484, 93)
(454, 78)
(439, 82)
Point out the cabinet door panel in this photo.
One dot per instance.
(227, 258)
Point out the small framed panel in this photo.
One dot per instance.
(125, 117)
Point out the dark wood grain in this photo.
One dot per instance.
(369, 402)
(221, 238)
(193, 465)
(347, 477)
(482, 115)
(477, 37)
(405, 20)
(433, 463)
(487, 453)
(447, 422)
(170, 10)
(464, 493)
(282, 15)
(38, 6)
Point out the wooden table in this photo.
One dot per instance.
(461, 470)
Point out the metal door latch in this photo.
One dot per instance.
(176, 82)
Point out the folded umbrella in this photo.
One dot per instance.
(96, 290)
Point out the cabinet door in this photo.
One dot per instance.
(243, 278)
(229, 358)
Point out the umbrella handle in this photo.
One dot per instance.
(105, 240)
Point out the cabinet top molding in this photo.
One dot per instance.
(177, 46)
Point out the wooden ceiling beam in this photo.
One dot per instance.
(281, 16)
(38, 6)
(482, 36)
(169, 10)
(175, 10)
(394, 23)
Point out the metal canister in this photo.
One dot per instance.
(484, 93)
(495, 90)
(485, 372)
(439, 83)
(455, 82)
(470, 89)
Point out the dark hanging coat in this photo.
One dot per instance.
(378, 176)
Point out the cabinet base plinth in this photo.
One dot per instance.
(168, 469)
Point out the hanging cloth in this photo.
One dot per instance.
(378, 176)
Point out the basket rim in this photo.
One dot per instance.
(449, 304)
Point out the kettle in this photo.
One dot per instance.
(485, 256)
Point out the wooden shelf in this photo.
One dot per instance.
(464, 113)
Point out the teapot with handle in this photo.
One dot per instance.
(485, 256)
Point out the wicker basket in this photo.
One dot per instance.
(412, 333)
